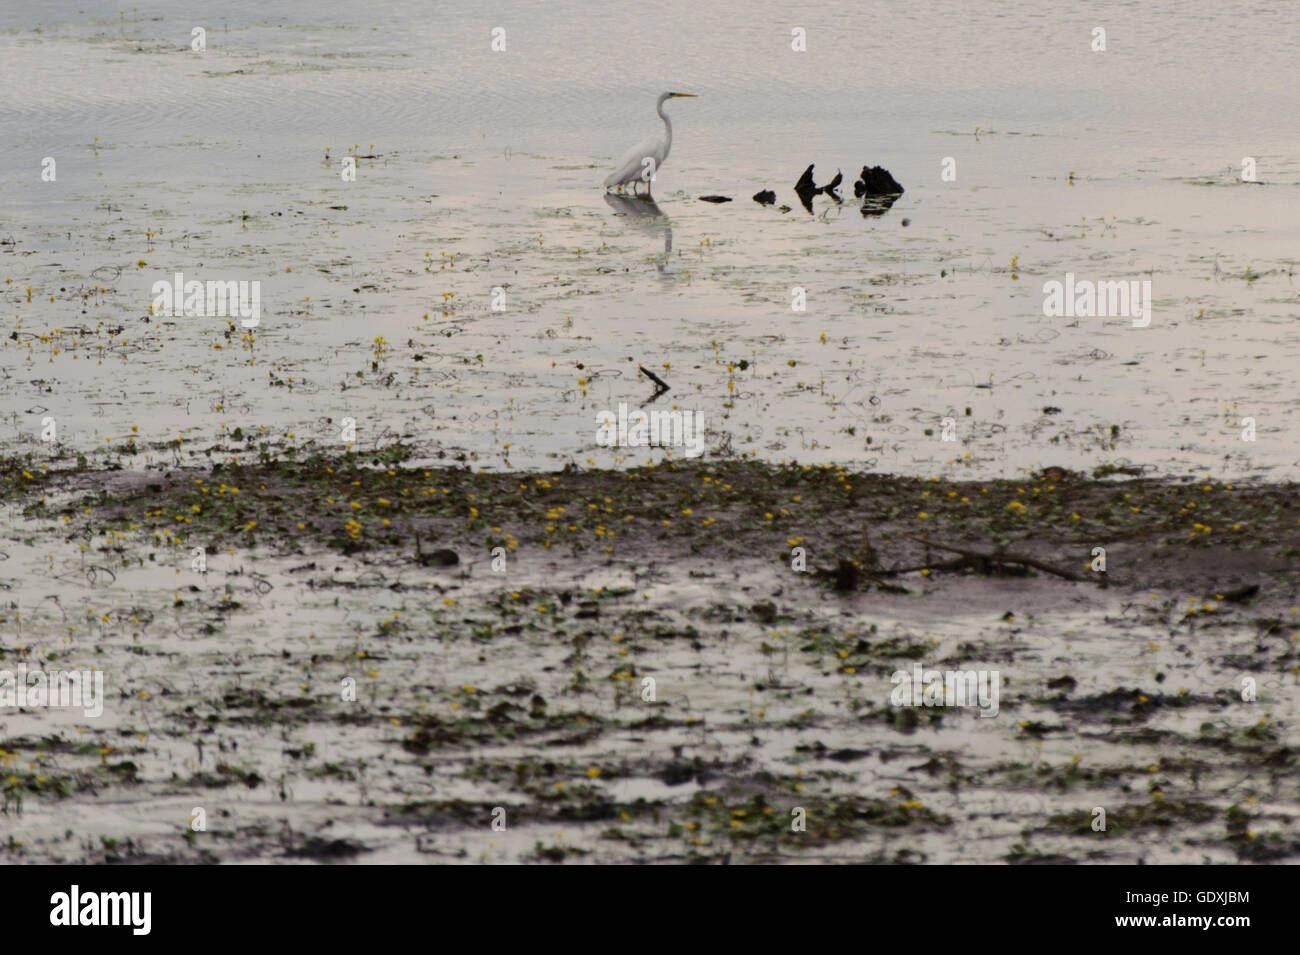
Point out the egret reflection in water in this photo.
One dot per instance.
(644, 214)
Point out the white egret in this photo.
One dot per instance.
(646, 158)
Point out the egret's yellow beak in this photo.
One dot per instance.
(685, 95)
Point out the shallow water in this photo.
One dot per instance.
(493, 159)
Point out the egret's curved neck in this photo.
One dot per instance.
(668, 123)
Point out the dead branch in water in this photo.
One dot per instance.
(987, 560)
(659, 382)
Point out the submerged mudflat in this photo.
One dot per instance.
(1163, 691)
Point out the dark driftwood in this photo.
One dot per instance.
(848, 576)
(1000, 557)
(957, 563)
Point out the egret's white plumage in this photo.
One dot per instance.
(632, 167)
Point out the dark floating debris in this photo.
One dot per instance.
(876, 181)
(805, 183)
(765, 198)
(715, 198)
(805, 188)
(830, 187)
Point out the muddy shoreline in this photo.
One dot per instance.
(1211, 535)
(518, 694)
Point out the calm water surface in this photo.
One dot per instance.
(377, 294)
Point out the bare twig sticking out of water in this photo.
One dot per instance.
(660, 385)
